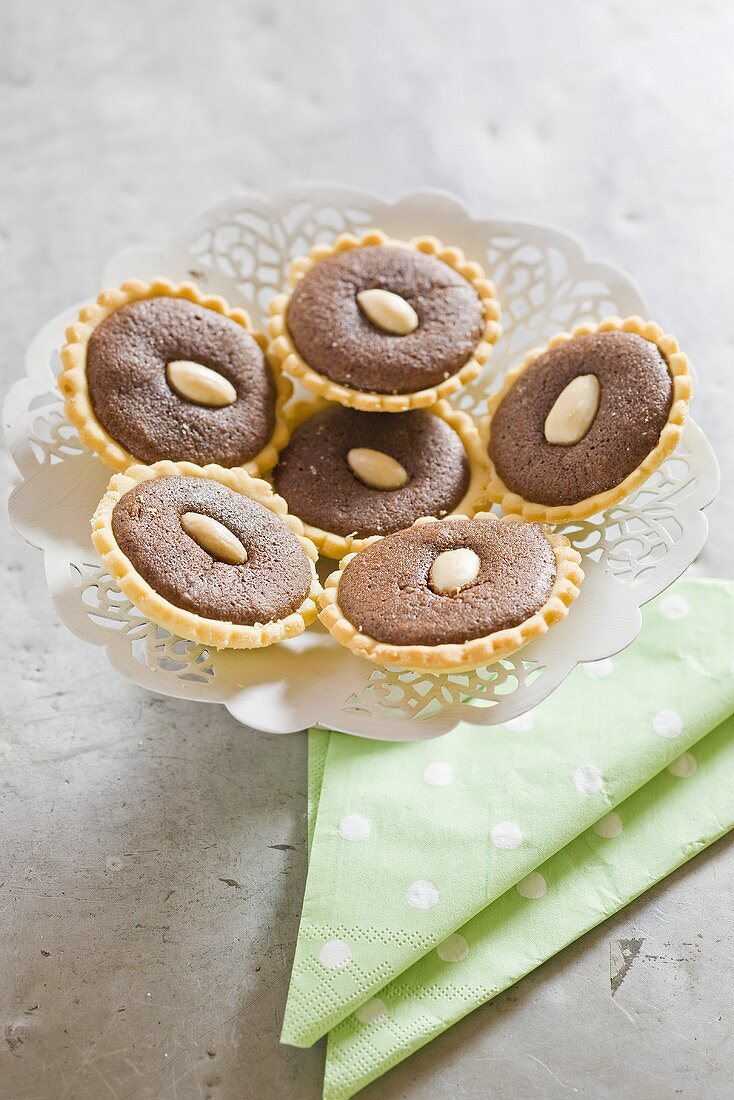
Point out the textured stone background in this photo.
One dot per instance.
(149, 895)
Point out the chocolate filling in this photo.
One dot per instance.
(384, 591)
(126, 371)
(332, 334)
(321, 489)
(636, 395)
(272, 583)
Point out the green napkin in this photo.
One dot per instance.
(674, 816)
(413, 840)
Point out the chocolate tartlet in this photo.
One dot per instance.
(584, 421)
(349, 475)
(383, 325)
(156, 372)
(207, 553)
(452, 594)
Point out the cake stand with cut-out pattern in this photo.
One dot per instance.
(242, 248)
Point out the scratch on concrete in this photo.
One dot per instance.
(622, 954)
(553, 1075)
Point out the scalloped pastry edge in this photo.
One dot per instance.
(476, 653)
(282, 349)
(336, 546)
(74, 387)
(183, 623)
(512, 503)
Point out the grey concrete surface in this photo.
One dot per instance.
(153, 853)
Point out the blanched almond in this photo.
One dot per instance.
(199, 384)
(388, 311)
(453, 570)
(377, 470)
(214, 537)
(574, 411)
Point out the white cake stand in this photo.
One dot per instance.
(241, 248)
